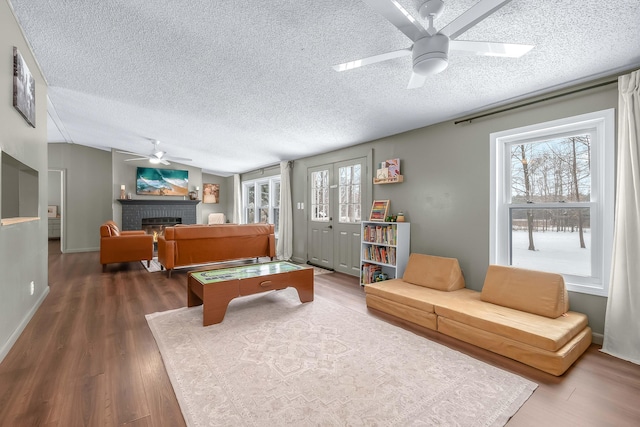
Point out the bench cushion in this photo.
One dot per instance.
(411, 295)
(434, 272)
(537, 331)
(532, 291)
(553, 362)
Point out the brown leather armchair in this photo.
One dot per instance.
(123, 246)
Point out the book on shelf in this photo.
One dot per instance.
(383, 234)
(369, 272)
(383, 254)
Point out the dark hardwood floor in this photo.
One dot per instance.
(88, 357)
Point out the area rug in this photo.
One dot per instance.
(274, 361)
(317, 271)
(154, 265)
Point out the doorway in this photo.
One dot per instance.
(337, 192)
(55, 199)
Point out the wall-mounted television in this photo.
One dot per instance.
(162, 182)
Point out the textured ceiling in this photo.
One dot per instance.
(237, 86)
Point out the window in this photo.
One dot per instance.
(349, 193)
(552, 196)
(261, 201)
(320, 196)
(349, 190)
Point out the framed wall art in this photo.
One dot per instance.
(211, 193)
(379, 210)
(24, 89)
(162, 182)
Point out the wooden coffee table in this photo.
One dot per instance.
(215, 288)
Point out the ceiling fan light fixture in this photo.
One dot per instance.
(155, 161)
(431, 55)
(431, 63)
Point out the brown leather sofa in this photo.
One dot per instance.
(186, 245)
(123, 246)
(521, 314)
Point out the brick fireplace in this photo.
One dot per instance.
(134, 210)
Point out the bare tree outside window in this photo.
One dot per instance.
(545, 175)
(349, 193)
(320, 196)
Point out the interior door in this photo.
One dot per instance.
(335, 209)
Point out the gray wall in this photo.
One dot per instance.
(125, 173)
(87, 193)
(92, 186)
(225, 202)
(23, 246)
(445, 194)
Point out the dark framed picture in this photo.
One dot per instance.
(24, 89)
(379, 210)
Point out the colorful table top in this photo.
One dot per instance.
(244, 272)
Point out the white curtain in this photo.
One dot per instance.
(284, 248)
(622, 331)
(237, 199)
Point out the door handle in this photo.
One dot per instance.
(331, 226)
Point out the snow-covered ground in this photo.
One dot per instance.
(558, 252)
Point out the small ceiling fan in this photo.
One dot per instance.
(157, 156)
(430, 49)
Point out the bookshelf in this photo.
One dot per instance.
(385, 248)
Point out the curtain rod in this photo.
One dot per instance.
(526, 104)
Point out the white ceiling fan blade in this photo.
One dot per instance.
(177, 159)
(416, 81)
(136, 159)
(372, 59)
(131, 153)
(164, 162)
(507, 50)
(471, 17)
(399, 17)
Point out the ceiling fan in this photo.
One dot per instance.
(157, 156)
(430, 49)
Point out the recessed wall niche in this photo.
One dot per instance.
(20, 190)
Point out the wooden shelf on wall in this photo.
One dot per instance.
(18, 220)
(393, 180)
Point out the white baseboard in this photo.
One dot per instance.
(78, 250)
(25, 321)
(597, 338)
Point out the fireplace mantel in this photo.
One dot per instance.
(133, 210)
(157, 202)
